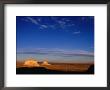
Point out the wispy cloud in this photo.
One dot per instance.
(61, 22)
(25, 19)
(56, 52)
(39, 19)
(44, 26)
(70, 25)
(36, 22)
(33, 20)
(76, 32)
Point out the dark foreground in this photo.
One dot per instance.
(42, 70)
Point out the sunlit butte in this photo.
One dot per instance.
(45, 62)
(31, 63)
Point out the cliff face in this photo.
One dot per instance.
(45, 63)
(34, 63)
(31, 63)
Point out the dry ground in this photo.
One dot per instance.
(80, 67)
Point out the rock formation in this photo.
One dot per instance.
(45, 62)
(31, 63)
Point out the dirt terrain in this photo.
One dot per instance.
(58, 67)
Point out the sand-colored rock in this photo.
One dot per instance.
(31, 63)
(45, 62)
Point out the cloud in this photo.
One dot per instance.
(36, 22)
(41, 28)
(33, 20)
(44, 26)
(77, 32)
(66, 19)
(24, 19)
(56, 51)
(70, 25)
(61, 22)
(80, 52)
(39, 19)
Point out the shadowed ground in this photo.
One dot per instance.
(43, 70)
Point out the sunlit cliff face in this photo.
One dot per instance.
(45, 63)
(34, 63)
(31, 63)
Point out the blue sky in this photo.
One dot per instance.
(55, 35)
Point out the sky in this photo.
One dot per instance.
(55, 37)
